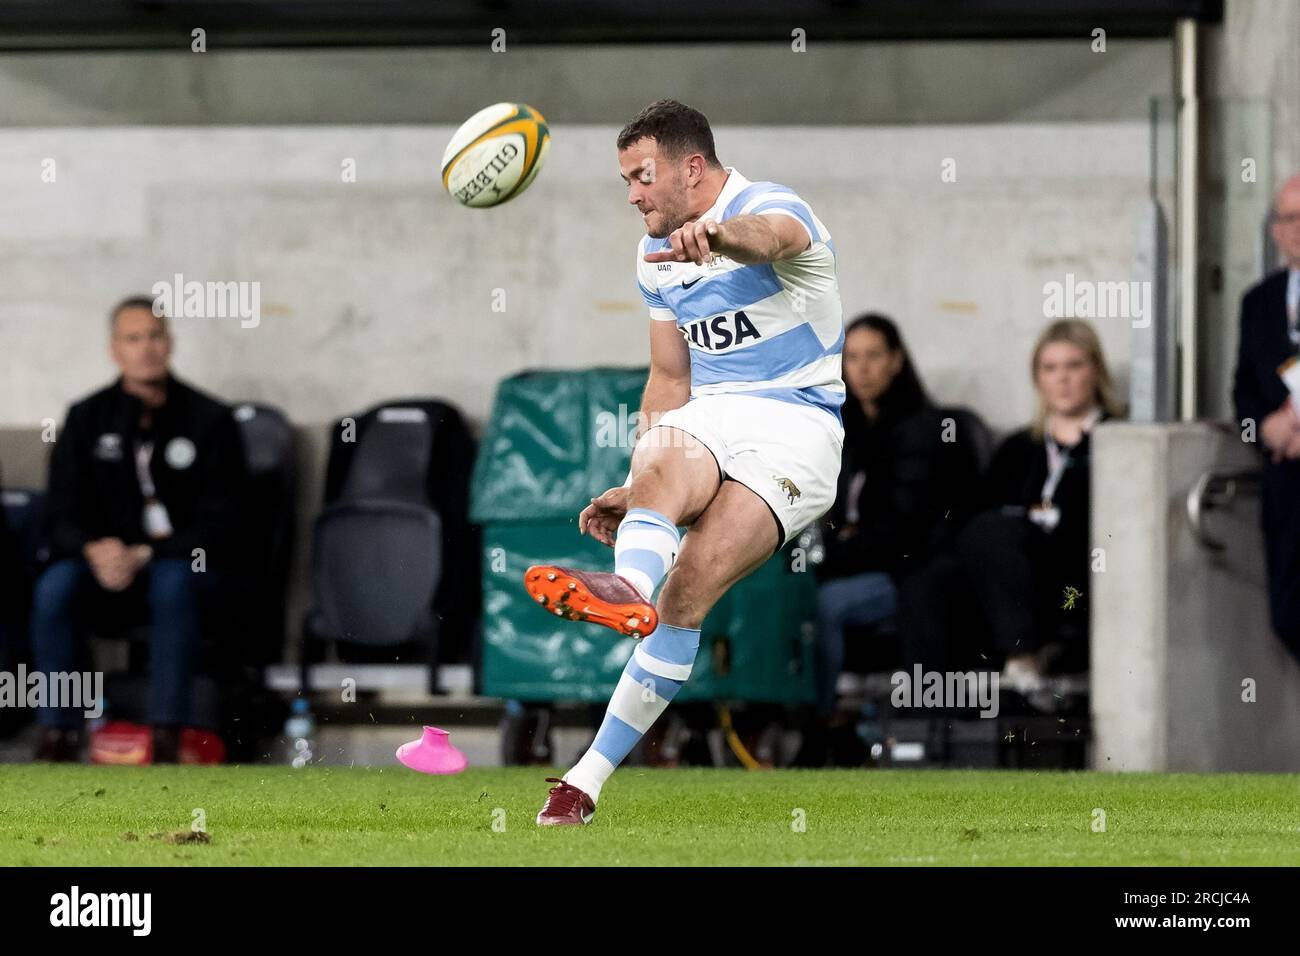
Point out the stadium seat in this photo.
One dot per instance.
(22, 553)
(443, 467)
(25, 516)
(394, 564)
(971, 450)
(375, 567)
(267, 530)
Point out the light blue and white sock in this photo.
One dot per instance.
(645, 547)
(658, 668)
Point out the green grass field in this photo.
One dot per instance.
(119, 816)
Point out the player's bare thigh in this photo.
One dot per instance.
(734, 536)
(673, 474)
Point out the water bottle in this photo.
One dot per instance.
(872, 731)
(300, 733)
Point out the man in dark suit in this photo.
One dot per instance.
(1270, 336)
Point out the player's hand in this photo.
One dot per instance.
(693, 242)
(601, 518)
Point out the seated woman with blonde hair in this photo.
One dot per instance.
(1027, 555)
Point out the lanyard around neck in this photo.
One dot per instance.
(143, 457)
(1058, 458)
(1293, 306)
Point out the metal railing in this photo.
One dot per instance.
(1215, 490)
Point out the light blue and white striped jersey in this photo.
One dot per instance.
(774, 330)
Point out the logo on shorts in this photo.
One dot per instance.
(788, 486)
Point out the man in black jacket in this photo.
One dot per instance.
(144, 484)
(1270, 336)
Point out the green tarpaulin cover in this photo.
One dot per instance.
(556, 439)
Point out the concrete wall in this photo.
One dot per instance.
(202, 164)
(1254, 56)
(384, 286)
(743, 83)
(1177, 628)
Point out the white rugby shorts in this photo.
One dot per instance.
(787, 453)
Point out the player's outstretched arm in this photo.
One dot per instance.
(749, 239)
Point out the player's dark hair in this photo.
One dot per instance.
(905, 394)
(133, 302)
(677, 129)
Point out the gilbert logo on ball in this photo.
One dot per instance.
(495, 155)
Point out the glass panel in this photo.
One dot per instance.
(1237, 194)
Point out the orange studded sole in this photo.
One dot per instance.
(562, 594)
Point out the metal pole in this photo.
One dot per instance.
(1185, 210)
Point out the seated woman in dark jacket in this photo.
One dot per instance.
(1027, 556)
(884, 519)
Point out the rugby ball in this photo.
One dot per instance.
(495, 154)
